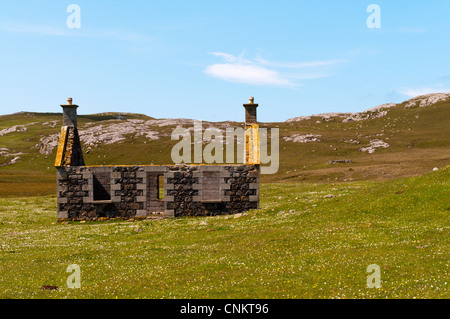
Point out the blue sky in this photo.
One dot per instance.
(203, 59)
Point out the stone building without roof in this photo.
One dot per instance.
(147, 191)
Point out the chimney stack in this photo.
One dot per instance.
(69, 152)
(250, 111)
(251, 147)
(69, 113)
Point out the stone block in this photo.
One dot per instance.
(116, 199)
(63, 215)
(169, 213)
(116, 175)
(212, 168)
(141, 213)
(169, 186)
(141, 199)
(197, 174)
(225, 186)
(60, 188)
(116, 187)
(169, 175)
(141, 174)
(224, 174)
(141, 186)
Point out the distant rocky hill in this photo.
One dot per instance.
(378, 111)
(387, 141)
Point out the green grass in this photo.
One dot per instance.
(318, 248)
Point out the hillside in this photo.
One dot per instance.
(384, 142)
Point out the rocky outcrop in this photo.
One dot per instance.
(427, 100)
(115, 131)
(12, 158)
(374, 145)
(15, 128)
(106, 133)
(297, 138)
(348, 161)
(367, 115)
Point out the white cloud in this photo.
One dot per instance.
(247, 73)
(263, 72)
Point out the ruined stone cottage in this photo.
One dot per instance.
(130, 191)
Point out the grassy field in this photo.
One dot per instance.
(306, 241)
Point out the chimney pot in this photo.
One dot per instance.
(69, 101)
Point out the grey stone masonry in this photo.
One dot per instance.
(93, 192)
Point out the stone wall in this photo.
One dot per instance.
(86, 192)
(76, 198)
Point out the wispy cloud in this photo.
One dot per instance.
(259, 71)
(33, 29)
(116, 34)
(297, 65)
